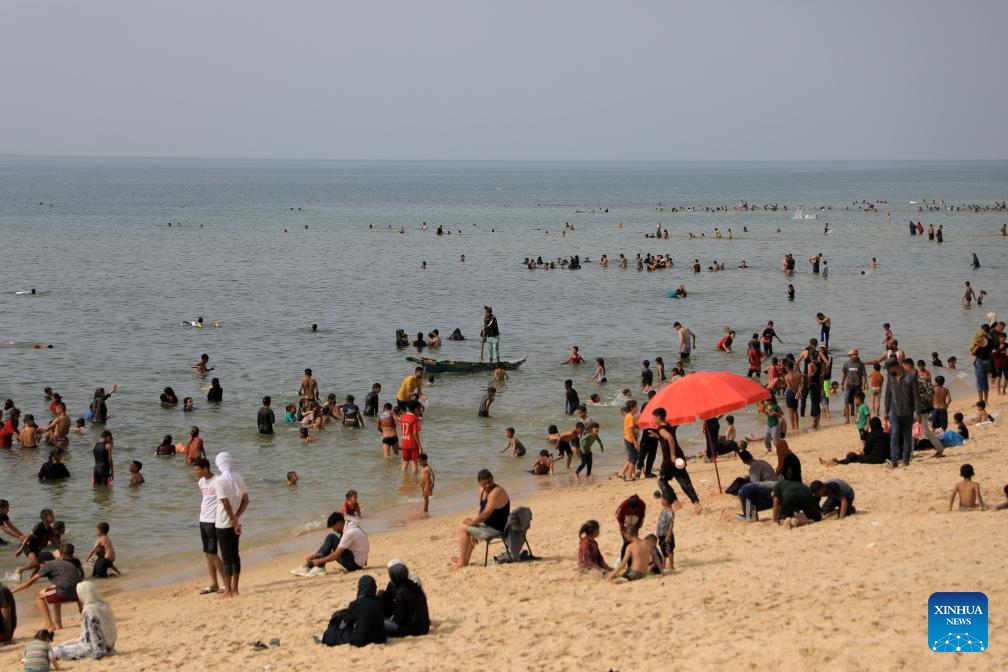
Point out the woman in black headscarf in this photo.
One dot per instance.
(406, 612)
(362, 622)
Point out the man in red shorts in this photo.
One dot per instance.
(409, 424)
(65, 573)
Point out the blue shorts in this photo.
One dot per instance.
(790, 400)
(982, 369)
(631, 452)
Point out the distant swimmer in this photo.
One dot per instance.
(976, 261)
(30, 292)
(42, 346)
(314, 328)
(790, 292)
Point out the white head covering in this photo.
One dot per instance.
(89, 594)
(223, 462)
(991, 318)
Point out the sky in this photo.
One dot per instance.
(519, 80)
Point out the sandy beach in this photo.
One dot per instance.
(844, 595)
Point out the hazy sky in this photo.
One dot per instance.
(759, 79)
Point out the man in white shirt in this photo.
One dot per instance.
(232, 500)
(207, 523)
(347, 544)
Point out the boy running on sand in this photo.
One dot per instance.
(969, 492)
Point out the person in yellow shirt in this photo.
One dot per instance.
(411, 388)
(630, 440)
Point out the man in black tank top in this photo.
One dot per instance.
(671, 453)
(490, 522)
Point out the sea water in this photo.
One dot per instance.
(268, 248)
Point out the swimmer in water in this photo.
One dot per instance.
(790, 293)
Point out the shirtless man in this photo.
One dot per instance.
(309, 387)
(792, 392)
(636, 557)
(57, 430)
(194, 448)
(687, 340)
(29, 435)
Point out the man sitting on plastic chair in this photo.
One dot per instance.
(490, 523)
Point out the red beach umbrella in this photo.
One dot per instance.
(703, 395)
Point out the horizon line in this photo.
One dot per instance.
(133, 157)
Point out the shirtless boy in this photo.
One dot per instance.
(792, 392)
(29, 435)
(636, 557)
(309, 387)
(968, 491)
(103, 552)
(427, 479)
(939, 403)
(194, 449)
(202, 365)
(57, 430)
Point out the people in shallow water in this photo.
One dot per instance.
(456, 335)
(420, 343)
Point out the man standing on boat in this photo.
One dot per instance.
(491, 334)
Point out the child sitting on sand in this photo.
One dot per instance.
(657, 561)
(636, 557)
(589, 556)
(38, 653)
(960, 424)
(1003, 505)
(982, 416)
(968, 491)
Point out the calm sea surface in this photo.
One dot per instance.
(269, 247)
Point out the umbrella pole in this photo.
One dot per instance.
(717, 473)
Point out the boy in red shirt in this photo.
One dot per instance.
(409, 424)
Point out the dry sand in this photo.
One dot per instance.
(847, 595)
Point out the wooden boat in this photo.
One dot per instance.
(457, 366)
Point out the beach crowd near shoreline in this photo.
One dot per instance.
(900, 396)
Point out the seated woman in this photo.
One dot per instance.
(362, 622)
(788, 464)
(98, 627)
(168, 397)
(875, 451)
(406, 613)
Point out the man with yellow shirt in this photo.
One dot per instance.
(411, 389)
